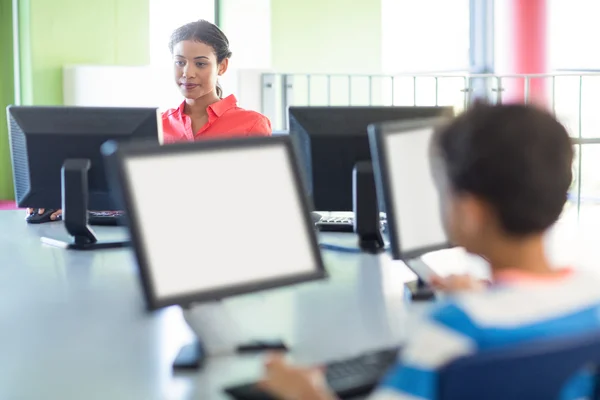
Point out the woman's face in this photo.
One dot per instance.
(196, 68)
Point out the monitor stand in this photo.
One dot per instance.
(367, 223)
(422, 292)
(217, 333)
(191, 356)
(75, 198)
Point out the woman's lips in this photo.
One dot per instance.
(188, 86)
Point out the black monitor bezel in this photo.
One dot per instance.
(17, 114)
(378, 134)
(308, 170)
(116, 156)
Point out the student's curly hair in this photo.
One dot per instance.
(516, 157)
(205, 32)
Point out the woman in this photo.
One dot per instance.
(200, 55)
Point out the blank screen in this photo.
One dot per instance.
(416, 202)
(219, 218)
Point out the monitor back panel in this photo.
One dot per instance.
(331, 140)
(211, 220)
(42, 138)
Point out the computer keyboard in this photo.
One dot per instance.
(335, 224)
(349, 378)
(341, 224)
(106, 218)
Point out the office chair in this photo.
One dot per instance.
(528, 371)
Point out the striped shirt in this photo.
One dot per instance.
(518, 308)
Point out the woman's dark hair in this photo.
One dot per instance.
(205, 32)
(518, 158)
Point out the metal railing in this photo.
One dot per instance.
(573, 96)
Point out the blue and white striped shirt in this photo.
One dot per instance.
(516, 310)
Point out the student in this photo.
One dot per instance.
(200, 55)
(503, 173)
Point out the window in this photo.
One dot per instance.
(425, 35)
(165, 17)
(570, 32)
(571, 44)
(168, 15)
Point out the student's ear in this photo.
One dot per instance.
(473, 213)
(223, 66)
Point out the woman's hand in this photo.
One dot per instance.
(458, 283)
(55, 215)
(293, 383)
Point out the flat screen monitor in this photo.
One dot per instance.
(246, 225)
(404, 180)
(43, 138)
(57, 162)
(331, 140)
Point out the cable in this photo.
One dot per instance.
(338, 248)
(342, 249)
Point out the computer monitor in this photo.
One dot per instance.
(404, 180)
(331, 140)
(227, 242)
(57, 161)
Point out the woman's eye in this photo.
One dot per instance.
(179, 63)
(200, 65)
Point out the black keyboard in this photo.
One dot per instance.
(349, 378)
(106, 218)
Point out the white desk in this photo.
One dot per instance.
(74, 324)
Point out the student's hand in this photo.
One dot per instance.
(53, 217)
(458, 283)
(287, 382)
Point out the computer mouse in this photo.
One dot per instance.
(37, 218)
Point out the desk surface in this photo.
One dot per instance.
(74, 324)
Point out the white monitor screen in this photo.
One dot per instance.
(218, 218)
(416, 204)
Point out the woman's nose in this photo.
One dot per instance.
(188, 71)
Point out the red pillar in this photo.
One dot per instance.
(528, 50)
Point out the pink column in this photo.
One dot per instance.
(527, 48)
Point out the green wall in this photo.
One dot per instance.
(54, 33)
(7, 95)
(324, 37)
(333, 36)
(62, 32)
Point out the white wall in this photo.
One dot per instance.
(146, 86)
(119, 86)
